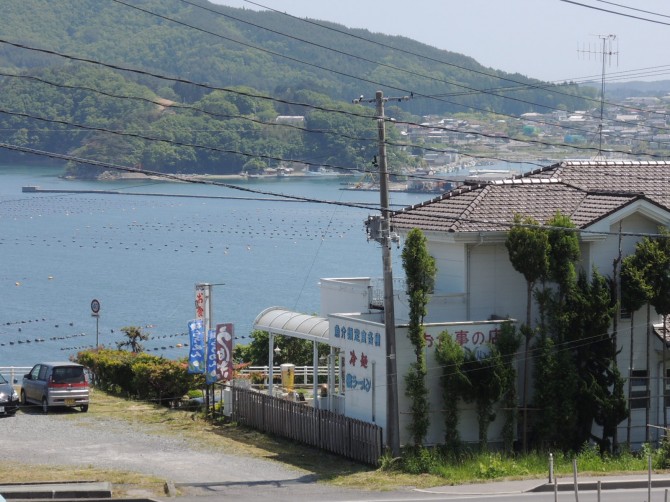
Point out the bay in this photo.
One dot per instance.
(140, 256)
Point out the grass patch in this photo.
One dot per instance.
(124, 483)
(470, 467)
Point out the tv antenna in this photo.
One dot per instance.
(606, 50)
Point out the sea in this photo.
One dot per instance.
(140, 256)
(141, 248)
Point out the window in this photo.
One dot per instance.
(639, 394)
(68, 374)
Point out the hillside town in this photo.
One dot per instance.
(636, 124)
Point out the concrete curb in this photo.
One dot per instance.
(605, 484)
(60, 491)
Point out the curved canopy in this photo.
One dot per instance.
(280, 321)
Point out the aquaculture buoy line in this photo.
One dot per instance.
(179, 233)
(21, 341)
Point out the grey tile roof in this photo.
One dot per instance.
(584, 190)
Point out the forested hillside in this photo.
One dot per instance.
(53, 101)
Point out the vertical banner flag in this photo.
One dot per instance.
(199, 302)
(196, 356)
(224, 351)
(210, 375)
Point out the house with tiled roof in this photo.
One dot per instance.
(612, 203)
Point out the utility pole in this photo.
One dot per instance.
(379, 229)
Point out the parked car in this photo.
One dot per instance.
(56, 384)
(9, 399)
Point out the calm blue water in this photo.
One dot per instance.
(141, 256)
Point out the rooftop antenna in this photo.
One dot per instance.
(608, 48)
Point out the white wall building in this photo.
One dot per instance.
(612, 203)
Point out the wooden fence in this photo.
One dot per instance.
(323, 429)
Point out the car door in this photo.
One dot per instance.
(35, 383)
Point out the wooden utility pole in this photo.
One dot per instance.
(384, 238)
(392, 426)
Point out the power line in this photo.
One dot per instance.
(187, 179)
(633, 8)
(470, 90)
(521, 85)
(261, 96)
(615, 12)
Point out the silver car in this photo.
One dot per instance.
(56, 384)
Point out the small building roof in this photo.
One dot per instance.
(281, 321)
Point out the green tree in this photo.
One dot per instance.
(455, 384)
(528, 248)
(564, 252)
(134, 338)
(420, 270)
(291, 350)
(654, 253)
(600, 399)
(507, 345)
(485, 389)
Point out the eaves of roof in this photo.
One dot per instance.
(586, 191)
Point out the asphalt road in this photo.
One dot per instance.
(73, 438)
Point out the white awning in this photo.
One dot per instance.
(280, 321)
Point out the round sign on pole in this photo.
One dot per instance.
(95, 306)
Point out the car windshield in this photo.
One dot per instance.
(68, 374)
(2, 379)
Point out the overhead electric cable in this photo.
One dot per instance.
(413, 93)
(615, 12)
(633, 8)
(491, 91)
(251, 119)
(521, 85)
(437, 217)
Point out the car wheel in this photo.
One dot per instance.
(23, 397)
(45, 405)
(84, 408)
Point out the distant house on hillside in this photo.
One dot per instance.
(295, 120)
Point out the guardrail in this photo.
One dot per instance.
(302, 374)
(14, 372)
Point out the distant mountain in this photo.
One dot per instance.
(47, 96)
(622, 90)
(210, 45)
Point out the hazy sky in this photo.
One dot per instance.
(537, 38)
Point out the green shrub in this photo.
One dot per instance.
(492, 466)
(139, 375)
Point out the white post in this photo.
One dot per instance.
(649, 483)
(555, 490)
(271, 363)
(315, 374)
(574, 475)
